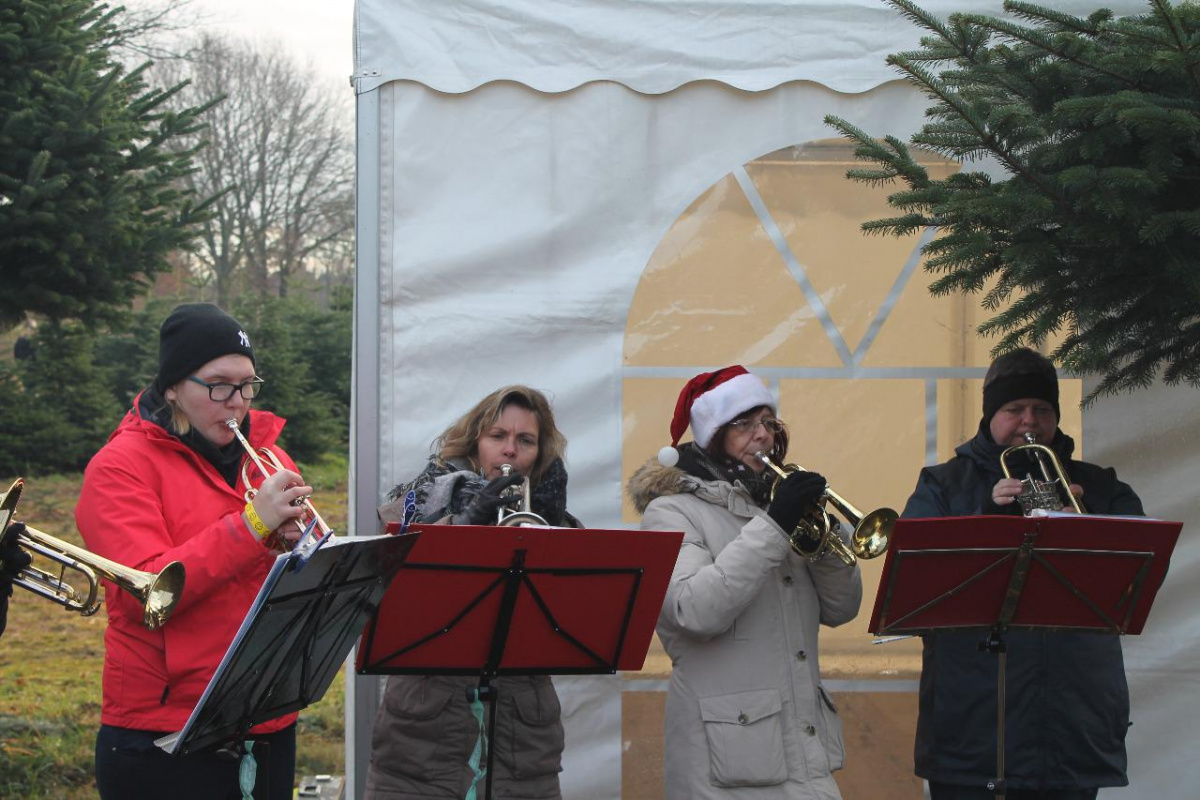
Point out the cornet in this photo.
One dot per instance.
(1045, 494)
(523, 517)
(816, 533)
(158, 594)
(311, 524)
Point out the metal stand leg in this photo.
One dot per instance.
(995, 644)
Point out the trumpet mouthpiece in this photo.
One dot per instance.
(232, 424)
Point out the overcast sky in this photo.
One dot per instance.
(317, 32)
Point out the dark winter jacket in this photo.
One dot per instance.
(1067, 707)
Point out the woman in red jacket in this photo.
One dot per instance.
(167, 487)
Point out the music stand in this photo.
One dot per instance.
(1060, 572)
(293, 640)
(520, 601)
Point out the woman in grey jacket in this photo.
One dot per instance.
(746, 718)
(426, 741)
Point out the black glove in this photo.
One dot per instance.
(13, 559)
(485, 508)
(796, 495)
(549, 498)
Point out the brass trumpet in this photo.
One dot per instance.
(311, 524)
(158, 594)
(816, 533)
(524, 516)
(1045, 494)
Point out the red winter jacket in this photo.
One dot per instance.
(148, 500)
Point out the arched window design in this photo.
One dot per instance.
(876, 377)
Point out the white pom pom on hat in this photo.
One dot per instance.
(710, 400)
(668, 456)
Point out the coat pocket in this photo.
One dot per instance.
(529, 731)
(745, 738)
(413, 734)
(835, 745)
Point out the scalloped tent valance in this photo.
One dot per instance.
(650, 46)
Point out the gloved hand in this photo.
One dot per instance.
(13, 559)
(486, 506)
(549, 498)
(798, 492)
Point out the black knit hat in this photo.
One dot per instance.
(1019, 374)
(193, 335)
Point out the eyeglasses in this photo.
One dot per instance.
(220, 392)
(751, 425)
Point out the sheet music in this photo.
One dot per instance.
(1072, 514)
(283, 563)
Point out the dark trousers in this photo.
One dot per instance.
(949, 791)
(129, 765)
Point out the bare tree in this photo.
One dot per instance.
(279, 147)
(153, 30)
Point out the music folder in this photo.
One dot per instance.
(296, 636)
(485, 600)
(1060, 571)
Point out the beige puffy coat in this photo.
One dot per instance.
(747, 717)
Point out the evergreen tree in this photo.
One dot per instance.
(1094, 228)
(58, 410)
(89, 204)
(303, 391)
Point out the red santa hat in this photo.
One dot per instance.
(710, 400)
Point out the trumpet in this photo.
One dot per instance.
(523, 517)
(311, 523)
(1045, 494)
(816, 533)
(158, 593)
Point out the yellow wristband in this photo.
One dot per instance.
(260, 527)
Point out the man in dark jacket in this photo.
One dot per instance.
(1067, 707)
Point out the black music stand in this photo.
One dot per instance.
(1060, 572)
(520, 601)
(296, 636)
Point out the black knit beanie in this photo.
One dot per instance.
(1016, 375)
(193, 335)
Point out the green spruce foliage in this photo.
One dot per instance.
(1093, 230)
(74, 384)
(57, 410)
(89, 201)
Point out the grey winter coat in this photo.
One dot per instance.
(747, 717)
(1067, 706)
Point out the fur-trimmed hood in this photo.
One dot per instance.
(653, 480)
(696, 474)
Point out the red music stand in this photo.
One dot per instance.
(489, 601)
(1061, 572)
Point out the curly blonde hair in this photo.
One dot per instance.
(461, 439)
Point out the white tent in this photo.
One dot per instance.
(524, 166)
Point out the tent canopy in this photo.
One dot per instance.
(651, 47)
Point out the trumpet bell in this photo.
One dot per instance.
(158, 593)
(817, 535)
(873, 534)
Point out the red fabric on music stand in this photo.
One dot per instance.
(603, 588)
(1085, 573)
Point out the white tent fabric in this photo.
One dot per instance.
(651, 47)
(519, 161)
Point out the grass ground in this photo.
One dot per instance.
(51, 661)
